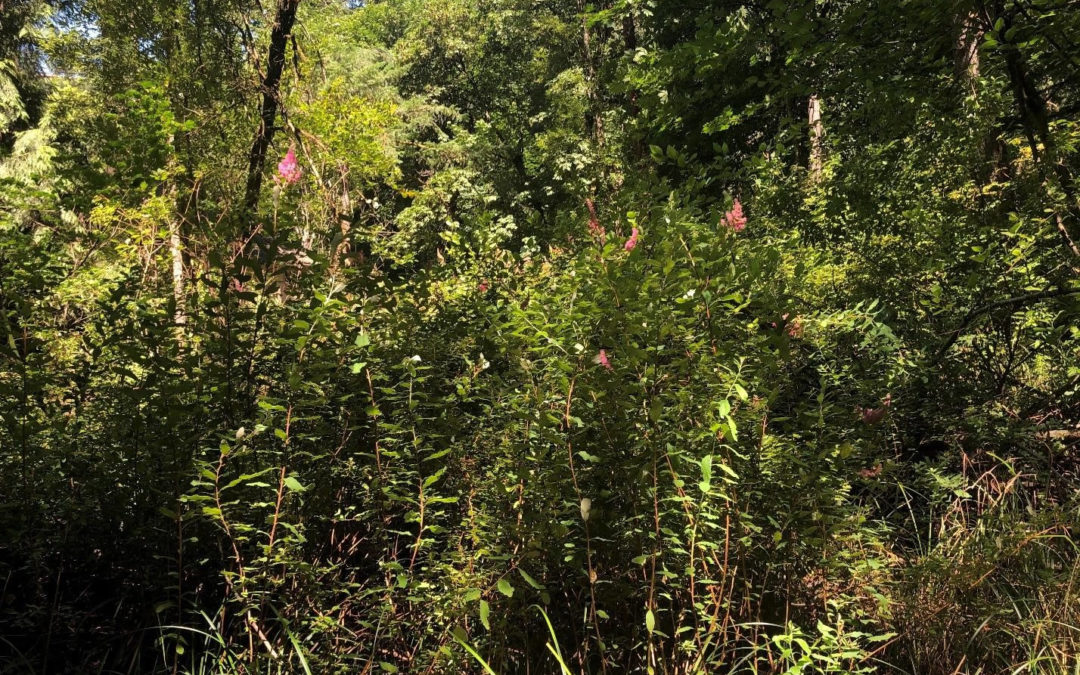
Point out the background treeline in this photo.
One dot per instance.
(436, 336)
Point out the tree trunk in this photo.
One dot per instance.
(630, 45)
(817, 134)
(177, 255)
(1033, 114)
(593, 120)
(284, 19)
(969, 36)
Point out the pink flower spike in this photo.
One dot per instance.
(871, 416)
(602, 359)
(734, 219)
(795, 328)
(632, 241)
(288, 169)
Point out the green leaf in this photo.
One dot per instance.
(485, 613)
(650, 621)
(732, 431)
(505, 588)
(529, 580)
(294, 484)
(432, 479)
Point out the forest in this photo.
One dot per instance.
(577, 337)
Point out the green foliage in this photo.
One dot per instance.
(573, 343)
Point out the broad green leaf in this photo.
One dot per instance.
(529, 580)
(505, 588)
(485, 613)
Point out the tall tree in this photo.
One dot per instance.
(270, 87)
